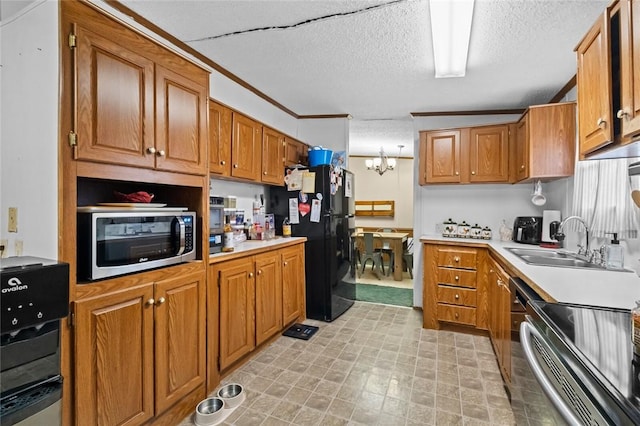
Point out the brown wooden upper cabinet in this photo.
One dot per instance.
(220, 130)
(246, 147)
(137, 104)
(273, 146)
(545, 142)
(608, 82)
(466, 155)
(295, 152)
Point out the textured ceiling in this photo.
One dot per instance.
(375, 60)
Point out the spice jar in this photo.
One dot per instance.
(450, 228)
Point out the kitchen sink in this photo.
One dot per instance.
(554, 258)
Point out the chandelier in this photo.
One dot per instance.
(381, 163)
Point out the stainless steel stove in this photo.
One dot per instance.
(583, 358)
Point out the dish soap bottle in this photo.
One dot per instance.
(613, 254)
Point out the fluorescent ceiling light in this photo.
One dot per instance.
(450, 31)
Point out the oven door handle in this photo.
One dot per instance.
(526, 330)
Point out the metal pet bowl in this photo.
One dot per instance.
(232, 394)
(209, 411)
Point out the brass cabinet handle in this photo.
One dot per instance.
(601, 122)
(286, 263)
(457, 315)
(160, 301)
(457, 278)
(522, 167)
(457, 296)
(151, 150)
(456, 259)
(250, 274)
(161, 153)
(222, 163)
(264, 173)
(457, 173)
(473, 173)
(151, 302)
(622, 114)
(235, 166)
(259, 271)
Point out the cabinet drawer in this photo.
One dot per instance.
(457, 258)
(457, 314)
(516, 319)
(457, 277)
(457, 296)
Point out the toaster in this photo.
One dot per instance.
(527, 229)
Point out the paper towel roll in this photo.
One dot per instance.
(549, 216)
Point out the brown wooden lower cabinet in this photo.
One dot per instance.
(259, 295)
(500, 317)
(457, 314)
(139, 351)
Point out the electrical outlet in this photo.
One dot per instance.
(13, 219)
(18, 248)
(4, 248)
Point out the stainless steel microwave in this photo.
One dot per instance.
(119, 242)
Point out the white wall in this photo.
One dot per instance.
(29, 128)
(329, 133)
(396, 185)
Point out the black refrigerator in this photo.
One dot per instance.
(325, 215)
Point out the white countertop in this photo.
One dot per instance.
(571, 285)
(250, 247)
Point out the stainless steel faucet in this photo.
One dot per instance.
(559, 235)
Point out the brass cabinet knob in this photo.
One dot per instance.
(259, 272)
(457, 278)
(473, 173)
(601, 122)
(250, 274)
(151, 302)
(161, 153)
(235, 166)
(457, 315)
(456, 259)
(286, 263)
(522, 167)
(160, 301)
(457, 173)
(457, 296)
(264, 173)
(151, 150)
(622, 114)
(222, 163)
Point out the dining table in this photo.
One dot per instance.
(397, 241)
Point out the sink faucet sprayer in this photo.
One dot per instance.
(555, 230)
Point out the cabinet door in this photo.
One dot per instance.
(246, 148)
(441, 157)
(594, 88)
(114, 358)
(291, 151)
(504, 327)
(493, 297)
(293, 284)
(114, 101)
(220, 129)
(268, 296)
(629, 113)
(237, 310)
(522, 149)
(272, 157)
(179, 338)
(181, 120)
(489, 154)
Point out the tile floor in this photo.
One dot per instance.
(375, 365)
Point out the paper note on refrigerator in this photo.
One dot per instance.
(309, 182)
(315, 210)
(294, 217)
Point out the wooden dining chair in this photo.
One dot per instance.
(407, 257)
(385, 249)
(371, 254)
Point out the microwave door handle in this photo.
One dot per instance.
(181, 246)
(526, 330)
